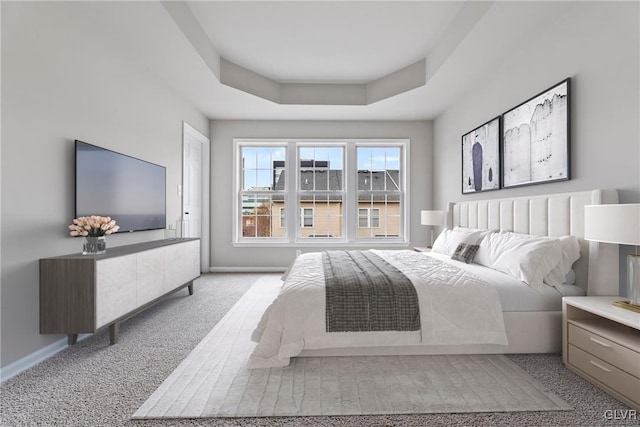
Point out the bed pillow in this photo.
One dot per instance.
(465, 253)
(570, 254)
(483, 232)
(448, 240)
(527, 258)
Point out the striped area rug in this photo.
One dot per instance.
(213, 380)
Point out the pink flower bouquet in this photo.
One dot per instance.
(93, 226)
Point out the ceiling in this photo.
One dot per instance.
(324, 41)
(322, 47)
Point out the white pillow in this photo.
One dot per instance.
(483, 232)
(570, 254)
(525, 257)
(448, 240)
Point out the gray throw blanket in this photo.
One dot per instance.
(366, 293)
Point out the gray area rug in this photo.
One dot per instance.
(213, 381)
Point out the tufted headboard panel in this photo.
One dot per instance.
(597, 270)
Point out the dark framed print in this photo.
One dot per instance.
(481, 158)
(535, 139)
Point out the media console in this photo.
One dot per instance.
(83, 293)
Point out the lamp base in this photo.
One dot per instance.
(633, 279)
(627, 305)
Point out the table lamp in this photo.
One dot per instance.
(618, 224)
(431, 218)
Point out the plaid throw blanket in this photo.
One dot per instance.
(366, 293)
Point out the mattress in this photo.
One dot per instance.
(514, 294)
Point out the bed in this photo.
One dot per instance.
(294, 325)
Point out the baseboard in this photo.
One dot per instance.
(20, 365)
(247, 269)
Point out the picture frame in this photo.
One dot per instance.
(536, 139)
(481, 158)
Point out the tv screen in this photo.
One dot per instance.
(129, 190)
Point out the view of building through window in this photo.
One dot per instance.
(321, 190)
(321, 200)
(261, 169)
(379, 191)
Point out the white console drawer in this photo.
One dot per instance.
(115, 288)
(607, 374)
(605, 349)
(150, 275)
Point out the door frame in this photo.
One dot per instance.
(189, 131)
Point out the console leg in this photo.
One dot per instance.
(190, 287)
(114, 330)
(72, 339)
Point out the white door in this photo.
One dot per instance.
(191, 187)
(195, 190)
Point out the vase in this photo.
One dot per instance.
(94, 245)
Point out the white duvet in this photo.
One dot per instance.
(456, 307)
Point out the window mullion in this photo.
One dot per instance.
(350, 208)
(292, 196)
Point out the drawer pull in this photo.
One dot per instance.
(600, 342)
(597, 365)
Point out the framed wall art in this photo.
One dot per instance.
(535, 139)
(481, 158)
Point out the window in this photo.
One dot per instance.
(306, 217)
(262, 191)
(337, 192)
(321, 191)
(379, 191)
(368, 218)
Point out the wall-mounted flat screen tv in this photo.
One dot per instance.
(129, 190)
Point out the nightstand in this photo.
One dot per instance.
(601, 343)
(422, 249)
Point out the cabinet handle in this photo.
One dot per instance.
(599, 366)
(600, 342)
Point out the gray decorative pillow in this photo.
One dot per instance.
(465, 252)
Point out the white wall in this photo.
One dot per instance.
(62, 81)
(225, 255)
(597, 45)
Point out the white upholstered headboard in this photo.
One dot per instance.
(597, 270)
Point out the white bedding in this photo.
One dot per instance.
(514, 294)
(456, 307)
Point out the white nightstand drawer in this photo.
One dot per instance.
(615, 354)
(607, 374)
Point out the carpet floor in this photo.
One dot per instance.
(95, 384)
(213, 381)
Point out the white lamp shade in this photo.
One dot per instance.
(431, 217)
(613, 223)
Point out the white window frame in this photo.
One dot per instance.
(350, 206)
(403, 192)
(320, 144)
(239, 192)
